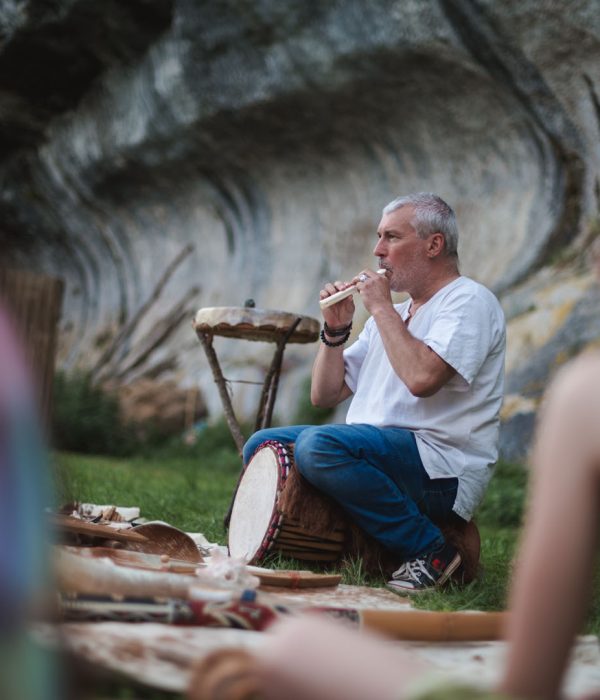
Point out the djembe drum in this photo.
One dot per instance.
(276, 510)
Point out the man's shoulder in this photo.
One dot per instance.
(475, 304)
(465, 286)
(468, 283)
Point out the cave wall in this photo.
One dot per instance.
(162, 157)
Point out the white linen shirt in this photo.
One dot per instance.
(457, 428)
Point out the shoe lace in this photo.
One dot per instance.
(410, 570)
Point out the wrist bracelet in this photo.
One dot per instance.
(336, 344)
(337, 332)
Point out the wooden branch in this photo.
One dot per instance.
(159, 333)
(207, 343)
(130, 326)
(271, 383)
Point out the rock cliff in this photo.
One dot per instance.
(166, 156)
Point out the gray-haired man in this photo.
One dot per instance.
(421, 433)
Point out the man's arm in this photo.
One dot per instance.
(422, 370)
(328, 387)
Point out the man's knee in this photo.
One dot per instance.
(253, 443)
(314, 451)
(304, 452)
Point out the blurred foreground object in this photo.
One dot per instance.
(25, 672)
(563, 518)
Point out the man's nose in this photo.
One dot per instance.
(379, 249)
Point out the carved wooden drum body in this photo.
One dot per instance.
(275, 510)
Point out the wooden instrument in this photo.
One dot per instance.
(77, 526)
(259, 614)
(262, 518)
(338, 296)
(264, 325)
(161, 538)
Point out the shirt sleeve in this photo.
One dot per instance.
(355, 355)
(464, 332)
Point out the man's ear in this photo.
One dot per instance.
(435, 244)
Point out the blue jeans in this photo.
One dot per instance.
(377, 476)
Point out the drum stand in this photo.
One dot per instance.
(248, 323)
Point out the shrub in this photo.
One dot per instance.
(306, 413)
(212, 441)
(87, 419)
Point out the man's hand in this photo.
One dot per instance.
(374, 290)
(340, 314)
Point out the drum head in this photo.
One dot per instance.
(255, 505)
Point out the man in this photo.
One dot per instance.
(420, 439)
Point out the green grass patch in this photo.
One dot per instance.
(188, 487)
(504, 501)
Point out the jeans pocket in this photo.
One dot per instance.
(439, 499)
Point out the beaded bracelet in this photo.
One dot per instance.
(337, 332)
(334, 345)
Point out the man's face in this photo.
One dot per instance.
(400, 250)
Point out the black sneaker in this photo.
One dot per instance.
(426, 573)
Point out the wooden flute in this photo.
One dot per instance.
(338, 296)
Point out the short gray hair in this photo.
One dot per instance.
(432, 215)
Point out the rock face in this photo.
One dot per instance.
(163, 157)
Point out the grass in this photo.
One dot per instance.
(188, 493)
(187, 486)
(489, 590)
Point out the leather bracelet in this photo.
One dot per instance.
(336, 344)
(337, 332)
